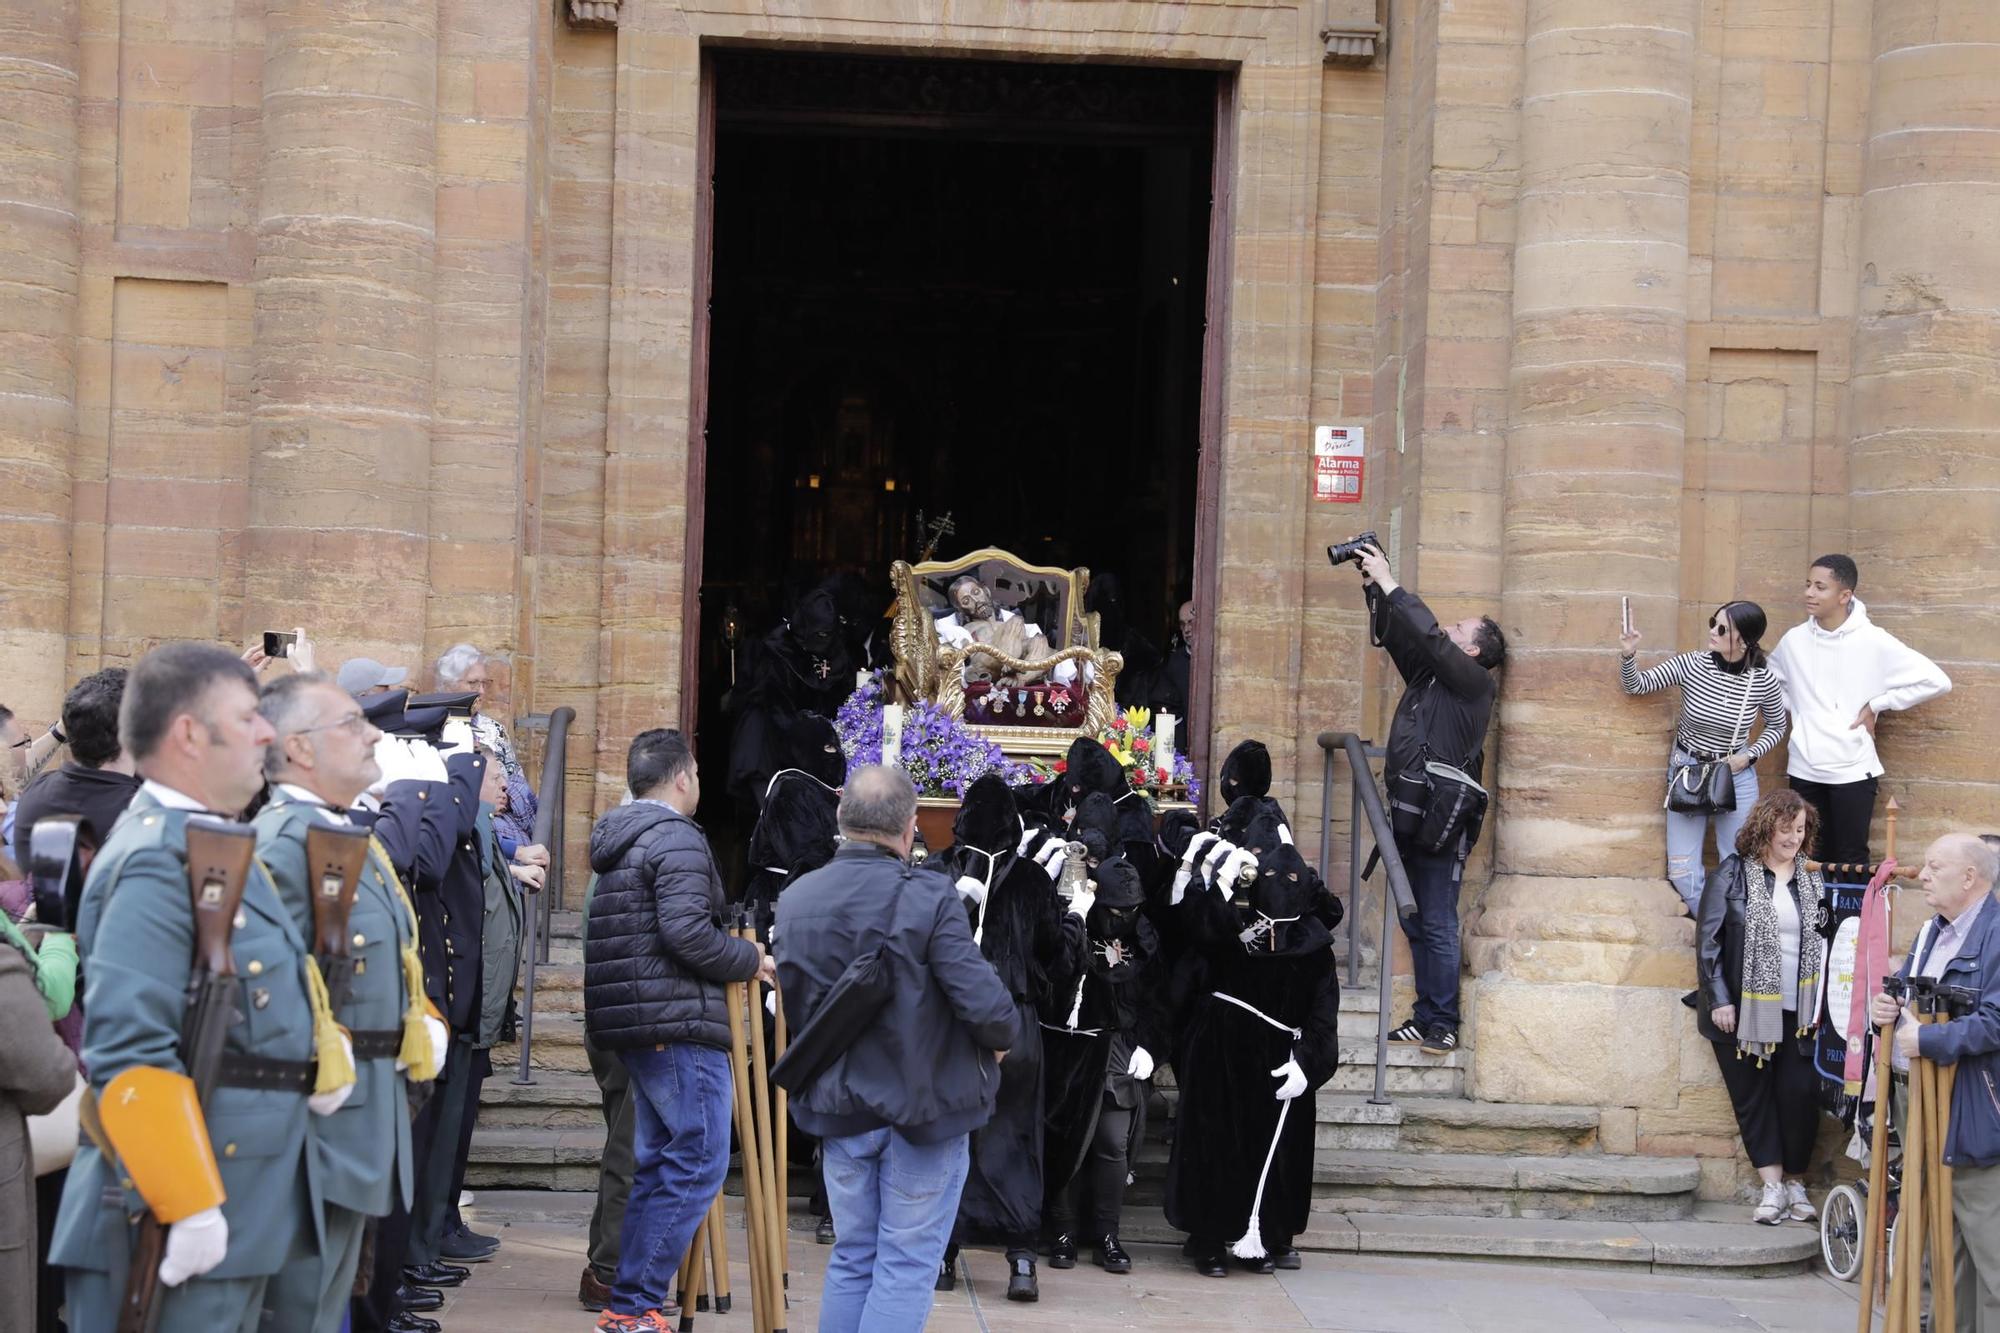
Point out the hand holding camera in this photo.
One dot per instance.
(1365, 552)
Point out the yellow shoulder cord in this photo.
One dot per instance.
(415, 1055)
(336, 1067)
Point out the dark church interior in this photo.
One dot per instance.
(949, 288)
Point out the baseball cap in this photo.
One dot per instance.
(365, 673)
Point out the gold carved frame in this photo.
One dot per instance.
(927, 669)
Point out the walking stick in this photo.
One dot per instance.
(737, 994)
(774, 1218)
(1878, 1182)
(1906, 1288)
(782, 1163)
(691, 1295)
(718, 1255)
(1944, 1298)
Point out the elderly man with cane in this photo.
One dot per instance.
(1960, 947)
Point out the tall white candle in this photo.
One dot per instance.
(892, 735)
(860, 680)
(1163, 739)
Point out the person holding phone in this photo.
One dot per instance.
(1723, 691)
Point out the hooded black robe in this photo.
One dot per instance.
(1265, 949)
(800, 668)
(1037, 948)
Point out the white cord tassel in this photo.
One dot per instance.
(1250, 1245)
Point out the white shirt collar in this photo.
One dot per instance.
(304, 797)
(1962, 923)
(170, 798)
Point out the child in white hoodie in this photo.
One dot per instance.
(1841, 672)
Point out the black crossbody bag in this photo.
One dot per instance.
(849, 1008)
(1708, 786)
(1431, 808)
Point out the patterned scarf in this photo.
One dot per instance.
(1760, 1017)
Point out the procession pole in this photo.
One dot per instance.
(1872, 1238)
(747, 1142)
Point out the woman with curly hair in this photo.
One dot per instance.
(1759, 950)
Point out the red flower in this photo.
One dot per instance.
(1141, 746)
(1118, 724)
(1138, 776)
(1062, 765)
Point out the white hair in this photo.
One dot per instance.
(454, 662)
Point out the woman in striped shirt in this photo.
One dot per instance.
(1720, 690)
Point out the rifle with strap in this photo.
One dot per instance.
(219, 853)
(334, 857)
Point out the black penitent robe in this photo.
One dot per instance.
(800, 669)
(796, 833)
(1228, 1109)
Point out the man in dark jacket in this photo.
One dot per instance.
(895, 1110)
(655, 961)
(1447, 701)
(97, 780)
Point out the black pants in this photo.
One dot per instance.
(371, 1313)
(48, 1280)
(482, 1069)
(614, 1168)
(1105, 1167)
(436, 1197)
(1845, 811)
(1777, 1106)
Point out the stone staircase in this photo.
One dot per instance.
(1429, 1173)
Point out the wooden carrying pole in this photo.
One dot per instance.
(782, 1161)
(692, 1272)
(718, 1256)
(1943, 1298)
(1906, 1287)
(1878, 1182)
(767, 1176)
(736, 994)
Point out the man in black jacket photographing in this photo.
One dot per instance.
(1435, 753)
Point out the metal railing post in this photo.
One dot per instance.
(548, 832)
(1382, 1011)
(1354, 885)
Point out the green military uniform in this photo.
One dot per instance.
(361, 1153)
(135, 930)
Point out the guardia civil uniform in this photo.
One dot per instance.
(135, 932)
(361, 1153)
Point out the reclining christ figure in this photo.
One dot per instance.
(976, 620)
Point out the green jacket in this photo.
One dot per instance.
(362, 1149)
(136, 934)
(499, 936)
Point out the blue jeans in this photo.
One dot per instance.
(1686, 833)
(893, 1203)
(681, 1095)
(1433, 934)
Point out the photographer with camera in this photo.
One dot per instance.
(1436, 749)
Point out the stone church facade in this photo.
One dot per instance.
(380, 316)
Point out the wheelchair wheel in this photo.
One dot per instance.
(1841, 1220)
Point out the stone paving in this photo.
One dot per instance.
(530, 1287)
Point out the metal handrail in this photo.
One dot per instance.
(548, 832)
(1395, 880)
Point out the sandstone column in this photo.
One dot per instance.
(341, 435)
(38, 299)
(1579, 932)
(1925, 393)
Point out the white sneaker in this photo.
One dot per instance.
(1798, 1208)
(1771, 1207)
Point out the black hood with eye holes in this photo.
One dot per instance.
(1096, 813)
(1246, 772)
(815, 623)
(987, 817)
(812, 744)
(1087, 768)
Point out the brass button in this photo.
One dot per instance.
(127, 1182)
(228, 1150)
(360, 967)
(256, 968)
(360, 940)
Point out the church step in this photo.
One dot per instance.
(1441, 1124)
(555, 1100)
(1600, 1186)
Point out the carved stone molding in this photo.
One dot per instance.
(593, 13)
(1354, 44)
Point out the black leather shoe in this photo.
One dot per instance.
(947, 1279)
(1111, 1256)
(417, 1300)
(1263, 1265)
(436, 1274)
(1021, 1284)
(592, 1291)
(412, 1323)
(467, 1246)
(1062, 1251)
(823, 1233)
(1209, 1262)
(1287, 1258)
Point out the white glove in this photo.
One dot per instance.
(1141, 1067)
(1211, 868)
(1028, 836)
(1292, 1080)
(972, 890)
(194, 1245)
(1050, 858)
(1084, 899)
(1186, 874)
(326, 1103)
(771, 1002)
(440, 1036)
(456, 738)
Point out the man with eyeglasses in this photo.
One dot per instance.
(319, 763)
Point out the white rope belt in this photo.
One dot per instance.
(1295, 1033)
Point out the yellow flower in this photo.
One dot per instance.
(1137, 718)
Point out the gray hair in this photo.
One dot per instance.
(877, 804)
(1978, 854)
(454, 662)
(285, 706)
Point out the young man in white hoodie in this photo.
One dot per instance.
(1841, 672)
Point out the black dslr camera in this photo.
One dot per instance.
(1342, 552)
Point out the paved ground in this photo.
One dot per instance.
(531, 1287)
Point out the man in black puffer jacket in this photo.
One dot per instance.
(654, 965)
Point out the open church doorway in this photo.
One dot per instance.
(936, 287)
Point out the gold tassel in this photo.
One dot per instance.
(415, 1055)
(336, 1067)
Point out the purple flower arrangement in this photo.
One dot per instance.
(939, 753)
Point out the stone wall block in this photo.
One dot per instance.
(1574, 1044)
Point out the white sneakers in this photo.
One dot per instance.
(1785, 1202)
